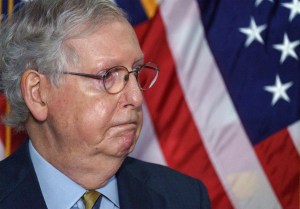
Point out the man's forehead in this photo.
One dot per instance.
(109, 45)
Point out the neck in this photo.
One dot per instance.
(89, 171)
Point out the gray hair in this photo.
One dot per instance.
(35, 39)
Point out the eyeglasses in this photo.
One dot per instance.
(115, 79)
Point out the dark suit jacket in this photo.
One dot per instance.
(141, 186)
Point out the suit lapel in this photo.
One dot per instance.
(134, 193)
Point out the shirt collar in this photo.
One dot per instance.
(110, 190)
(60, 191)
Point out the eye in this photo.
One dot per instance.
(112, 77)
(111, 74)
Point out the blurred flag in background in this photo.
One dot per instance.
(9, 140)
(226, 106)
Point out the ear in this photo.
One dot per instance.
(32, 93)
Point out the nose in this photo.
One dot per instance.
(132, 94)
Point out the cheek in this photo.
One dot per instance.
(96, 117)
(83, 115)
(93, 119)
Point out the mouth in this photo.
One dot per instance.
(126, 133)
(125, 130)
(126, 126)
(125, 123)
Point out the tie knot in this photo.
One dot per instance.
(90, 198)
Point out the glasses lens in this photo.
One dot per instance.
(147, 75)
(114, 79)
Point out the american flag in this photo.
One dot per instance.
(226, 106)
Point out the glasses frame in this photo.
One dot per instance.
(135, 71)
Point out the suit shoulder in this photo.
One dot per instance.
(178, 189)
(152, 168)
(163, 176)
(13, 170)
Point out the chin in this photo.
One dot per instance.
(125, 148)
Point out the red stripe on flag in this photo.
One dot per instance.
(174, 125)
(280, 161)
(16, 138)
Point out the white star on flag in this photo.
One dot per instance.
(253, 32)
(258, 2)
(294, 6)
(287, 48)
(279, 90)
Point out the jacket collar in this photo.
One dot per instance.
(134, 192)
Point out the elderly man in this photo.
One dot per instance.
(74, 73)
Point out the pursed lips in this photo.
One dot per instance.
(124, 127)
(126, 121)
(126, 133)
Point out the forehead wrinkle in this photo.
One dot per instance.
(102, 51)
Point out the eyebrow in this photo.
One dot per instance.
(109, 65)
(139, 60)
